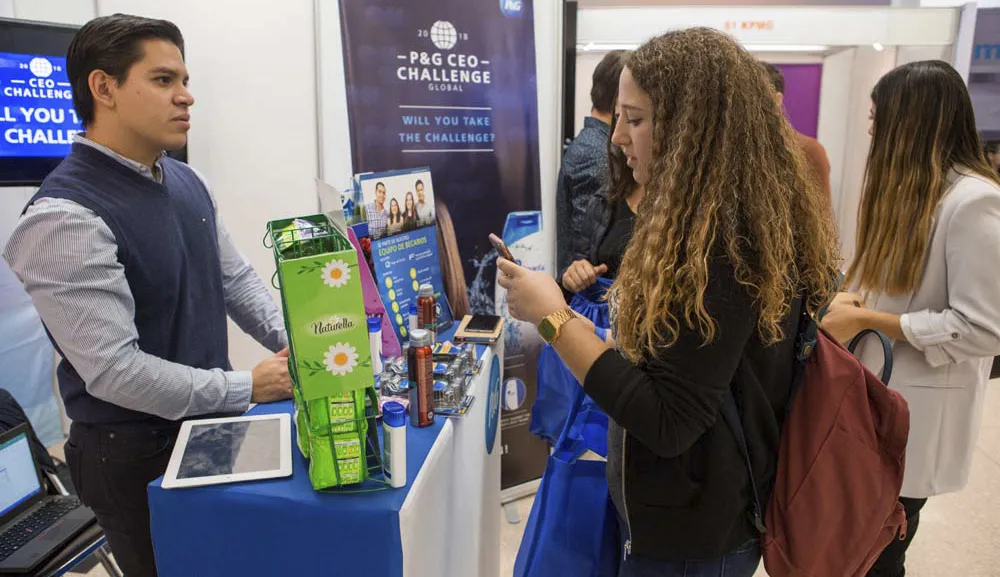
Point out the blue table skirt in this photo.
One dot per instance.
(282, 527)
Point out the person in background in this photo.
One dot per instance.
(611, 219)
(584, 170)
(992, 150)
(727, 256)
(410, 218)
(927, 267)
(813, 150)
(395, 222)
(376, 214)
(425, 212)
(133, 274)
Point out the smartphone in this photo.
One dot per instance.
(502, 249)
(482, 324)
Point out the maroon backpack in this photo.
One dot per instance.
(835, 502)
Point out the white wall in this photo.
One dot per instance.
(834, 106)
(549, 73)
(869, 65)
(253, 129)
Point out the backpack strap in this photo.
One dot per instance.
(886, 350)
(731, 414)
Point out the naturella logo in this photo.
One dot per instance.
(332, 325)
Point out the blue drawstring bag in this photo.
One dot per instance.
(573, 528)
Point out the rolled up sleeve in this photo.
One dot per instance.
(969, 328)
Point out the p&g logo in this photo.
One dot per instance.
(511, 7)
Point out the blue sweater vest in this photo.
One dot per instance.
(168, 245)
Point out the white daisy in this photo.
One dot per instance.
(341, 359)
(336, 273)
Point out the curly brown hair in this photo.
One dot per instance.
(727, 180)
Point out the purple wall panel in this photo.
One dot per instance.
(802, 86)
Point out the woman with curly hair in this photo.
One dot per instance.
(730, 249)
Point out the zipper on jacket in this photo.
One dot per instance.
(628, 525)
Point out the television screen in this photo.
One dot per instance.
(37, 120)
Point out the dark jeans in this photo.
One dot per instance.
(110, 468)
(742, 562)
(891, 562)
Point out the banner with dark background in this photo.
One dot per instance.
(451, 84)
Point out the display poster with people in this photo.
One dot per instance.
(451, 85)
(399, 209)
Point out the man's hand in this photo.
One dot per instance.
(581, 275)
(271, 381)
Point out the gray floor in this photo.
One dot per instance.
(959, 533)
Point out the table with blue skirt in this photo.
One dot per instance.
(444, 522)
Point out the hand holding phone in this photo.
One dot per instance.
(502, 249)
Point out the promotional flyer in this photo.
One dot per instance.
(451, 85)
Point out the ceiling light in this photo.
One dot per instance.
(602, 47)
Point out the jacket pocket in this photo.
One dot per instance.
(660, 482)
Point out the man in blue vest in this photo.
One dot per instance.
(133, 274)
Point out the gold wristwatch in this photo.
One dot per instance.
(551, 326)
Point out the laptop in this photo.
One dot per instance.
(34, 526)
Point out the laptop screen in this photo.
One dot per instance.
(18, 477)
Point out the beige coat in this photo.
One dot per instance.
(952, 328)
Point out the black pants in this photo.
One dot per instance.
(891, 562)
(110, 468)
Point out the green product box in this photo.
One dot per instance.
(322, 472)
(324, 307)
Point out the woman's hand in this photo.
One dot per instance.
(853, 299)
(531, 295)
(844, 320)
(581, 275)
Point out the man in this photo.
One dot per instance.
(425, 213)
(377, 215)
(814, 152)
(584, 170)
(133, 274)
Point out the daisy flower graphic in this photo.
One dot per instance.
(336, 273)
(341, 359)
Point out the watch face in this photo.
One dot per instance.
(547, 331)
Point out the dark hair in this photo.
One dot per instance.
(111, 44)
(621, 182)
(924, 125)
(776, 77)
(419, 183)
(399, 211)
(378, 184)
(605, 81)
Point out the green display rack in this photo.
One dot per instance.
(330, 361)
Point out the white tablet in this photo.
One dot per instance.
(229, 450)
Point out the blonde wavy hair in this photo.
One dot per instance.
(727, 180)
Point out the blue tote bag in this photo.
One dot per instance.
(572, 529)
(558, 388)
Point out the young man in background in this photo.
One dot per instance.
(133, 275)
(584, 170)
(813, 150)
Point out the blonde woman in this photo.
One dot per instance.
(728, 237)
(928, 269)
